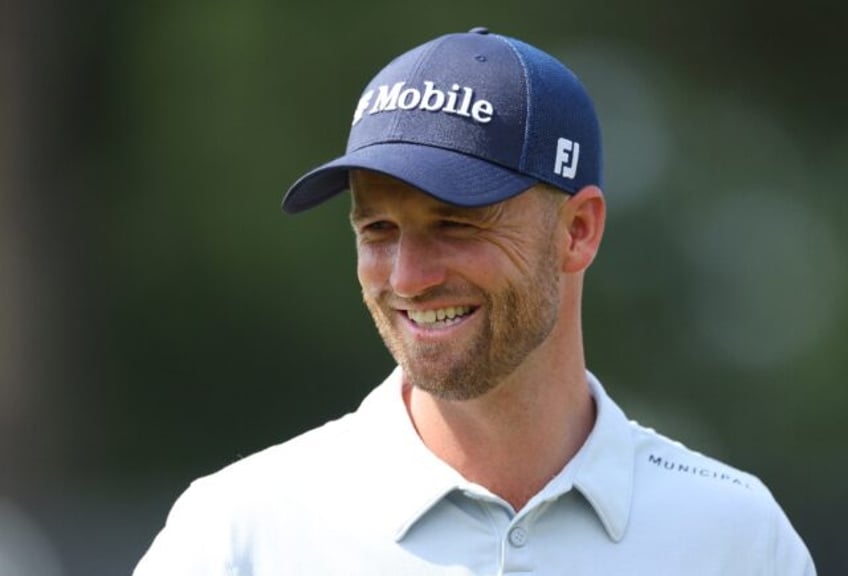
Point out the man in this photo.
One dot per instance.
(474, 165)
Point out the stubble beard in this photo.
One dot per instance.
(518, 319)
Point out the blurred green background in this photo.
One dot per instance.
(160, 318)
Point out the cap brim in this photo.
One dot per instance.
(449, 176)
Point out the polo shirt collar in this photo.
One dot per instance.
(606, 463)
(411, 479)
(416, 479)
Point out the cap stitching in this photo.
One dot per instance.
(527, 105)
(427, 50)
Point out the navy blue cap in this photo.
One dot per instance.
(472, 119)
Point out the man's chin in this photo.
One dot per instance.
(447, 385)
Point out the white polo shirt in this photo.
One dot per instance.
(363, 496)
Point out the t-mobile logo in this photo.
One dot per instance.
(567, 155)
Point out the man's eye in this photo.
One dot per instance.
(460, 227)
(453, 224)
(377, 226)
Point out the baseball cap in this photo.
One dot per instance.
(470, 118)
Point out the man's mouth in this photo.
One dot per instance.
(439, 316)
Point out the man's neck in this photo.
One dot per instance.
(514, 439)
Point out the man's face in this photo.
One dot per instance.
(461, 296)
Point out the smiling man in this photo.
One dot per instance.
(474, 170)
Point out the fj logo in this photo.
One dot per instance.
(568, 153)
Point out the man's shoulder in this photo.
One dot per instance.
(319, 461)
(668, 472)
(680, 491)
(285, 480)
(307, 455)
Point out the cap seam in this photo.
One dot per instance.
(413, 74)
(527, 104)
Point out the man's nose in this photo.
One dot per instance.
(417, 267)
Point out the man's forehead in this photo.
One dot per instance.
(368, 187)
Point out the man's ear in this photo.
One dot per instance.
(582, 218)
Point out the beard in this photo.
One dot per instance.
(517, 319)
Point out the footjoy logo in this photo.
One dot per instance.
(567, 155)
(459, 100)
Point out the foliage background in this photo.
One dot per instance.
(160, 318)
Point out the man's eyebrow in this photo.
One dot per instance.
(442, 210)
(360, 212)
(479, 213)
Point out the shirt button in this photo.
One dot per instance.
(518, 536)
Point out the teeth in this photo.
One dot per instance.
(438, 315)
